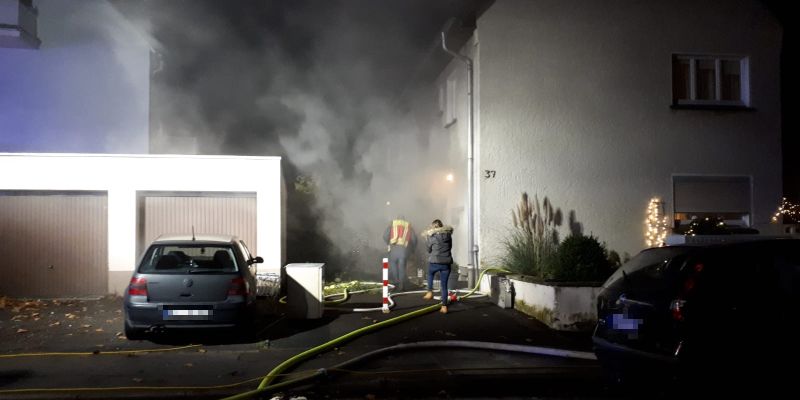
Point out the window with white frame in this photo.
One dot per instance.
(705, 80)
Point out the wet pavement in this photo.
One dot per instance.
(217, 358)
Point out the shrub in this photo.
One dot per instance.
(531, 245)
(519, 255)
(580, 259)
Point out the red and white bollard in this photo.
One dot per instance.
(385, 308)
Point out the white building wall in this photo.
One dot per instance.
(123, 175)
(575, 105)
(86, 89)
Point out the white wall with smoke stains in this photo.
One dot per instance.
(86, 89)
(574, 104)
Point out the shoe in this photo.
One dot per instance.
(428, 296)
(443, 310)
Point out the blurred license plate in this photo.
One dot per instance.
(623, 323)
(187, 314)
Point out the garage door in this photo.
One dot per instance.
(233, 214)
(53, 244)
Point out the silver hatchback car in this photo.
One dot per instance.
(191, 282)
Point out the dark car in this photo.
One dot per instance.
(190, 282)
(693, 312)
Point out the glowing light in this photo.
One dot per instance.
(388, 203)
(656, 224)
(449, 177)
(787, 209)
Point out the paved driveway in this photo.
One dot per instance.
(226, 357)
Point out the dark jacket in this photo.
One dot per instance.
(440, 242)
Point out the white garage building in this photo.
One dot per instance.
(73, 225)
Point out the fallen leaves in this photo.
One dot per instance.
(188, 365)
(70, 316)
(22, 330)
(57, 323)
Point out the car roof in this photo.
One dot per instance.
(721, 241)
(206, 238)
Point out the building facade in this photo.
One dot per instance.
(602, 106)
(74, 77)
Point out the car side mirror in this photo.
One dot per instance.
(256, 260)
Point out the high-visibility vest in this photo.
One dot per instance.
(401, 233)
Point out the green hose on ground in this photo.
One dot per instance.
(272, 375)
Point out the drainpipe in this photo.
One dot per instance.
(472, 248)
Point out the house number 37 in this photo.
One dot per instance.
(489, 173)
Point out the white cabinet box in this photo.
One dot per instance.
(304, 290)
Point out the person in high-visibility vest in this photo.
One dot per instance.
(400, 238)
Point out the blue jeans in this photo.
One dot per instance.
(397, 271)
(444, 275)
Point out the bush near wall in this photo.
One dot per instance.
(532, 248)
(580, 259)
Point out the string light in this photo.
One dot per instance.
(656, 224)
(787, 209)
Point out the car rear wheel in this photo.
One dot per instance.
(133, 333)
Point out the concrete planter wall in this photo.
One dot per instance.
(565, 307)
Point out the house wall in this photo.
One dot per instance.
(449, 142)
(575, 105)
(122, 176)
(86, 89)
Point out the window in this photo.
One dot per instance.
(696, 197)
(442, 99)
(700, 80)
(188, 258)
(448, 102)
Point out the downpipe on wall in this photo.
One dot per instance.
(472, 248)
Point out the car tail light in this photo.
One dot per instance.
(238, 287)
(677, 306)
(137, 287)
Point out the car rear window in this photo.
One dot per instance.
(188, 259)
(653, 263)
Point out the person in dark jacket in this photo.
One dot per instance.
(440, 242)
(400, 238)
